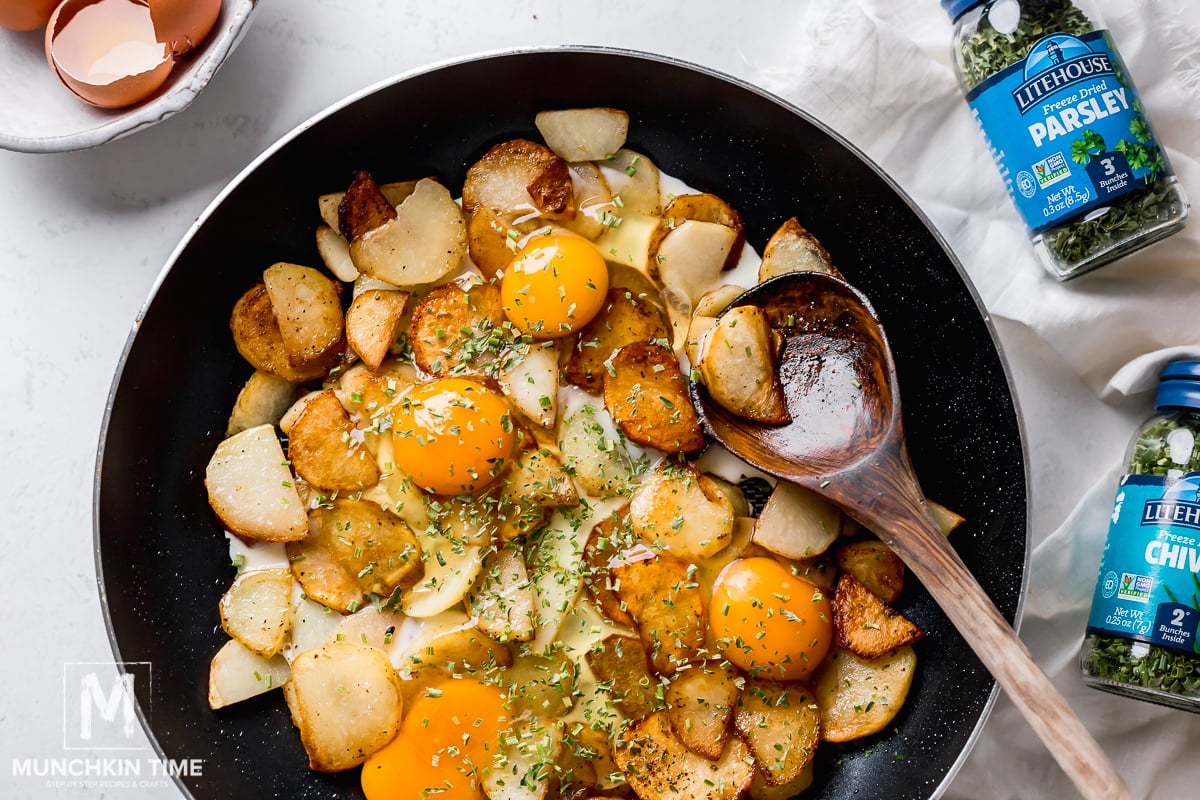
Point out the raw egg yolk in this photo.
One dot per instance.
(768, 621)
(554, 286)
(452, 435)
(447, 741)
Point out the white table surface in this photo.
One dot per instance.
(84, 235)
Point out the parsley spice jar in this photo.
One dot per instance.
(1066, 129)
(1142, 633)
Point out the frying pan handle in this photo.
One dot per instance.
(927, 552)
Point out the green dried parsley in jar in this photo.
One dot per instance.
(1142, 638)
(1067, 130)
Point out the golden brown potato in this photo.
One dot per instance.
(323, 450)
(347, 702)
(372, 322)
(251, 489)
(760, 790)
(541, 682)
(737, 365)
(355, 549)
(682, 511)
(583, 134)
(490, 241)
(262, 401)
(858, 697)
(257, 610)
(624, 319)
(700, 702)
(455, 651)
(690, 257)
(665, 602)
(781, 725)
(451, 326)
(622, 661)
(308, 310)
(797, 523)
(368, 394)
(363, 207)
(867, 626)
(659, 767)
(875, 566)
(705, 207)
(946, 519)
(425, 242)
(519, 176)
(589, 451)
(794, 249)
(256, 336)
(648, 398)
(635, 178)
(607, 541)
(593, 201)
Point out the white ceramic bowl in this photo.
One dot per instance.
(40, 115)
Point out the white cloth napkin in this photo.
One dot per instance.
(1084, 355)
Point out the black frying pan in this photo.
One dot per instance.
(163, 562)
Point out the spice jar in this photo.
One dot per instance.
(1066, 129)
(1142, 632)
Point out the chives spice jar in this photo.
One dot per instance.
(1066, 129)
(1142, 633)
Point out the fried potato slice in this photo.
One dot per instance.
(682, 511)
(625, 318)
(371, 626)
(257, 610)
(714, 301)
(426, 241)
(372, 322)
(629, 239)
(691, 256)
(323, 450)
(700, 702)
(251, 490)
(875, 566)
(525, 766)
(781, 725)
(946, 519)
(705, 207)
(532, 383)
(635, 178)
(451, 326)
(593, 201)
(867, 626)
(648, 398)
(858, 697)
(797, 523)
(541, 682)
(447, 645)
(665, 603)
(368, 394)
(257, 337)
(519, 176)
(354, 548)
(395, 192)
(622, 661)
(308, 310)
(363, 207)
(262, 401)
(737, 365)
(452, 552)
(607, 541)
(583, 134)
(587, 442)
(335, 254)
(237, 674)
(660, 767)
(793, 249)
(761, 790)
(503, 599)
(348, 704)
(491, 241)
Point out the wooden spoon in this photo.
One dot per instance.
(846, 442)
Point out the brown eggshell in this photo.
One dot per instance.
(119, 93)
(25, 15)
(183, 24)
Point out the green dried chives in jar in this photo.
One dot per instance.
(1066, 130)
(1142, 632)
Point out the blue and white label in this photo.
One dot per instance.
(1066, 129)
(1148, 588)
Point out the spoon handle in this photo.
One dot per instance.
(935, 563)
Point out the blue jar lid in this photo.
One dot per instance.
(956, 8)
(1179, 385)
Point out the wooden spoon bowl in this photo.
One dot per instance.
(846, 441)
